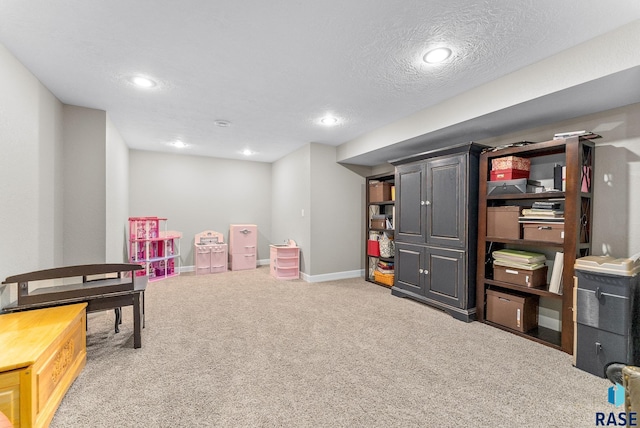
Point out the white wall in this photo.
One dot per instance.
(330, 232)
(201, 193)
(337, 216)
(291, 202)
(85, 162)
(30, 173)
(117, 196)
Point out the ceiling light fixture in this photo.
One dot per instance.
(143, 82)
(179, 144)
(247, 152)
(437, 55)
(329, 121)
(222, 123)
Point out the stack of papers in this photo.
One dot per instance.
(518, 259)
(543, 212)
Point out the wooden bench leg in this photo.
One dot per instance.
(137, 321)
(118, 312)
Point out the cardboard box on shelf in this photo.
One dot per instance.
(511, 162)
(508, 174)
(546, 232)
(379, 191)
(517, 312)
(502, 222)
(536, 278)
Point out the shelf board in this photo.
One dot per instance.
(379, 283)
(159, 238)
(159, 277)
(531, 150)
(521, 196)
(537, 291)
(382, 230)
(155, 259)
(525, 242)
(383, 203)
(539, 334)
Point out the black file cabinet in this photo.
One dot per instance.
(607, 321)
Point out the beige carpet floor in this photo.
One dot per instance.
(242, 349)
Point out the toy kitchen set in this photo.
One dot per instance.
(210, 252)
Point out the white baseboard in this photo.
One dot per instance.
(308, 278)
(192, 268)
(333, 276)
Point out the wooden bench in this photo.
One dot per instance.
(116, 285)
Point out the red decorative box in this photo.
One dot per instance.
(373, 248)
(508, 174)
(511, 162)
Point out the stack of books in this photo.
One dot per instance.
(543, 212)
(518, 259)
(385, 267)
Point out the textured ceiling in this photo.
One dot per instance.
(274, 68)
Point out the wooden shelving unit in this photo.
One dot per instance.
(578, 156)
(385, 207)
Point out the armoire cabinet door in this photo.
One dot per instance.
(435, 273)
(446, 202)
(410, 221)
(444, 276)
(408, 268)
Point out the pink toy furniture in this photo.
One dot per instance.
(285, 260)
(154, 247)
(210, 252)
(243, 241)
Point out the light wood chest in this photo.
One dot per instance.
(43, 351)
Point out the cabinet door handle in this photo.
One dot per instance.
(598, 348)
(245, 231)
(421, 270)
(598, 293)
(426, 272)
(427, 202)
(544, 228)
(421, 202)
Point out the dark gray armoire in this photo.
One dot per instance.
(436, 228)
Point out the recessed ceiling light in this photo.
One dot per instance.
(143, 82)
(222, 123)
(179, 144)
(437, 55)
(247, 152)
(329, 121)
